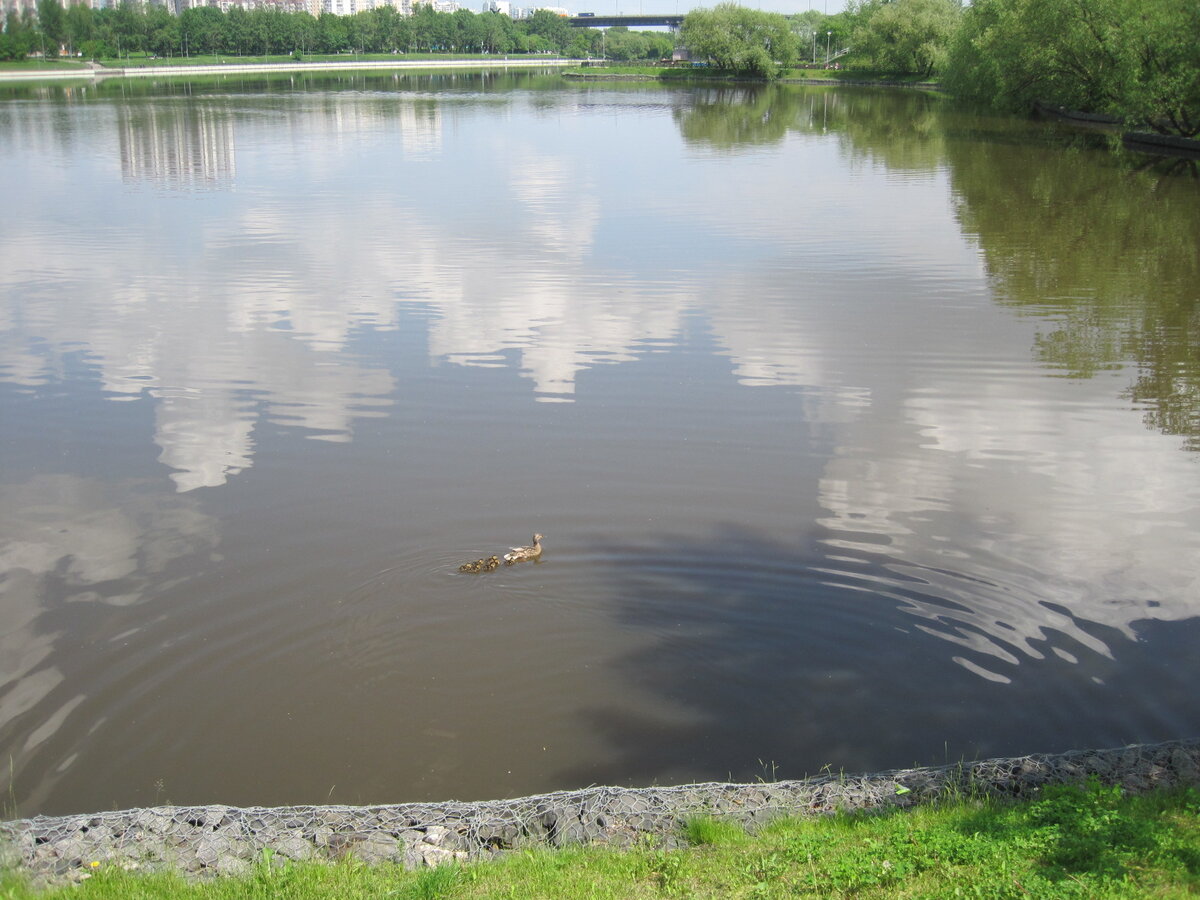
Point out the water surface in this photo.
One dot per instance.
(862, 431)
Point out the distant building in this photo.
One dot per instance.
(314, 7)
(520, 12)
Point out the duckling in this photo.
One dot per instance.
(491, 563)
(472, 566)
(520, 554)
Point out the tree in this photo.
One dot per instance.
(498, 36)
(740, 39)
(305, 32)
(80, 25)
(13, 45)
(128, 25)
(1161, 50)
(162, 30)
(552, 28)
(907, 35)
(426, 27)
(332, 33)
(806, 26)
(362, 33)
(237, 30)
(1138, 59)
(52, 22)
(202, 30)
(468, 32)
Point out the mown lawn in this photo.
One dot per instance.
(142, 60)
(1070, 843)
(34, 65)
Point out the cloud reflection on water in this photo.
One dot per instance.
(1016, 521)
(69, 540)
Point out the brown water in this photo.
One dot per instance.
(862, 432)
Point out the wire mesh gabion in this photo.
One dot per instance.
(206, 841)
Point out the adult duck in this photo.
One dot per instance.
(521, 554)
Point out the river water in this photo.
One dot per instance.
(863, 432)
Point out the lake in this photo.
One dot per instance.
(863, 431)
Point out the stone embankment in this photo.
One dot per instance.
(205, 841)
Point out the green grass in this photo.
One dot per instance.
(851, 76)
(35, 65)
(1071, 843)
(686, 73)
(144, 61)
(665, 73)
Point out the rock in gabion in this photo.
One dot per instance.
(211, 841)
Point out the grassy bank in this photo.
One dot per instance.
(38, 65)
(316, 60)
(857, 76)
(1070, 843)
(137, 61)
(706, 75)
(648, 73)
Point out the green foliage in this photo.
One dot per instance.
(13, 46)
(622, 44)
(1138, 59)
(52, 22)
(906, 35)
(133, 27)
(1085, 829)
(96, 50)
(741, 40)
(551, 27)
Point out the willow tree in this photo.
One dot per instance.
(1139, 59)
(741, 40)
(906, 35)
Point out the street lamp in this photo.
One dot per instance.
(828, 34)
(814, 39)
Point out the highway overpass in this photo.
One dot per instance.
(589, 20)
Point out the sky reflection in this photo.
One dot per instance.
(583, 312)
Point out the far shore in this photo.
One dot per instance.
(94, 71)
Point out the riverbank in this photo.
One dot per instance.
(219, 840)
(94, 72)
(709, 76)
(1142, 141)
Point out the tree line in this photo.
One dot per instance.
(134, 27)
(1136, 59)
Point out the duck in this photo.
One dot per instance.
(521, 554)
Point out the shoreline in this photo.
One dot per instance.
(685, 78)
(217, 840)
(98, 73)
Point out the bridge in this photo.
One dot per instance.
(590, 20)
